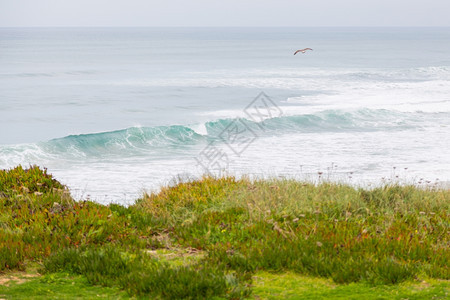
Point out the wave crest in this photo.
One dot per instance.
(164, 140)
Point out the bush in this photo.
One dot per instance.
(27, 181)
(141, 275)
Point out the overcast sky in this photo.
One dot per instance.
(224, 13)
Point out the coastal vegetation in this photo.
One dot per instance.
(224, 238)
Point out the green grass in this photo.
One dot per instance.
(140, 274)
(211, 237)
(294, 286)
(59, 286)
(266, 286)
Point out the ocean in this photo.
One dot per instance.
(114, 112)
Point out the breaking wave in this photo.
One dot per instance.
(163, 140)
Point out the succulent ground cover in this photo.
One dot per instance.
(224, 238)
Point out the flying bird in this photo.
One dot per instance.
(302, 50)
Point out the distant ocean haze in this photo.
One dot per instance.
(115, 111)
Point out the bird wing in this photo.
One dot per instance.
(302, 50)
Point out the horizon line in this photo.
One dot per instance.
(225, 26)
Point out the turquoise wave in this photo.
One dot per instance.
(325, 121)
(132, 140)
(161, 140)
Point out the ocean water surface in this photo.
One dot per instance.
(112, 112)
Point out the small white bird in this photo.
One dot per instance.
(302, 50)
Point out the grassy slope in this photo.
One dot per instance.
(225, 237)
